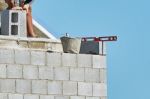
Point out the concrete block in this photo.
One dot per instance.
(23, 86)
(22, 57)
(92, 97)
(99, 89)
(38, 58)
(2, 71)
(61, 73)
(30, 72)
(39, 86)
(6, 56)
(15, 96)
(13, 22)
(61, 97)
(99, 61)
(69, 60)
(7, 85)
(14, 71)
(84, 89)
(3, 96)
(31, 96)
(92, 75)
(46, 97)
(84, 60)
(54, 59)
(105, 97)
(54, 87)
(92, 47)
(46, 73)
(103, 75)
(77, 74)
(77, 97)
(69, 88)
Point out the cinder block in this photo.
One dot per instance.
(92, 47)
(39, 86)
(92, 97)
(99, 61)
(61, 73)
(46, 97)
(46, 73)
(54, 59)
(61, 97)
(92, 75)
(6, 56)
(13, 22)
(3, 96)
(77, 74)
(23, 86)
(31, 96)
(103, 75)
(30, 72)
(2, 71)
(7, 85)
(14, 71)
(84, 89)
(38, 58)
(54, 87)
(104, 97)
(77, 97)
(99, 89)
(69, 60)
(22, 57)
(69, 88)
(15, 96)
(84, 60)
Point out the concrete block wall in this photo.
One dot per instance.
(34, 74)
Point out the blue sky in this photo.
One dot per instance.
(128, 58)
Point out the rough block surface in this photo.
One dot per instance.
(70, 88)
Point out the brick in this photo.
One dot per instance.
(54, 59)
(22, 57)
(46, 97)
(39, 86)
(14, 71)
(6, 56)
(46, 73)
(77, 74)
(69, 60)
(23, 86)
(2, 71)
(69, 88)
(7, 85)
(84, 60)
(99, 89)
(92, 97)
(29, 96)
(38, 58)
(103, 76)
(61, 73)
(30, 72)
(77, 97)
(15, 96)
(54, 87)
(85, 89)
(61, 97)
(92, 75)
(99, 61)
(3, 96)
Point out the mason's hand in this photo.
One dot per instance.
(26, 7)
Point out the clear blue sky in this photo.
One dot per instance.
(128, 58)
